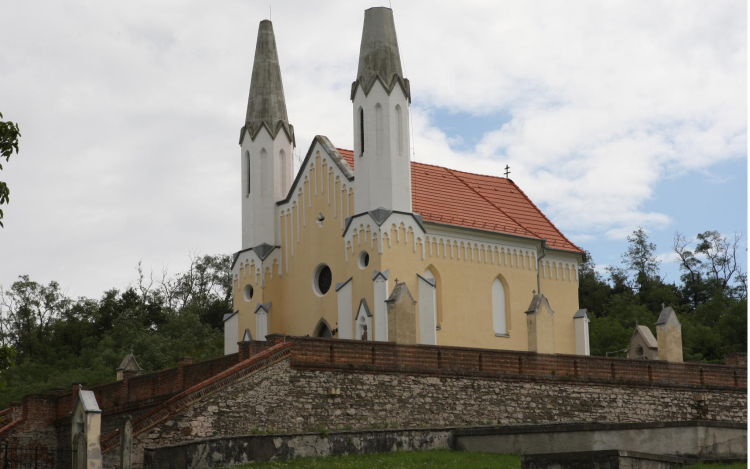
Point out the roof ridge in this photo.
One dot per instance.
(489, 202)
(466, 172)
(543, 215)
(456, 173)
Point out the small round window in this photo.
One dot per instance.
(364, 259)
(248, 292)
(322, 280)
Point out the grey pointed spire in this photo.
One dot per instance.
(379, 56)
(266, 104)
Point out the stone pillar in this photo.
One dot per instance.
(581, 324)
(344, 296)
(540, 322)
(127, 375)
(669, 336)
(16, 412)
(427, 311)
(126, 444)
(402, 315)
(380, 312)
(86, 431)
(243, 347)
(276, 338)
(181, 370)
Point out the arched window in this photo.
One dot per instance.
(247, 163)
(379, 129)
(361, 132)
(432, 274)
(264, 182)
(281, 175)
(399, 130)
(498, 308)
(323, 330)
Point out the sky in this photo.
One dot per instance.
(611, 115)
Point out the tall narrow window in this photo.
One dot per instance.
(378, 129)
(264, 182)
(399, 131)
(361, 132)
(280, 177)
(247, 163)
(498, 308)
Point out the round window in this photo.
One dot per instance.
(364, 259)
(322, 279)
(248, 292)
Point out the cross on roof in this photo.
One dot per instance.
(507, 171)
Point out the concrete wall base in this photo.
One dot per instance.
(693, 439)
(690, 439)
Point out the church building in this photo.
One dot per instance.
(330, 251)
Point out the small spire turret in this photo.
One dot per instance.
(266, 104)
(379, 55)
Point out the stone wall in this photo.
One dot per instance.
(281, 398)
(224, 452)
(311, 384)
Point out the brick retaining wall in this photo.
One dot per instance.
(389, 384)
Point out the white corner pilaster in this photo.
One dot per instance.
(231, 333)
(380, 294)
(581, 323)
(344, 296)
(427, 311)
(261, 320)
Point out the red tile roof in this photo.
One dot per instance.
(447, 196)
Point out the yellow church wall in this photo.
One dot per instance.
(464, 273)
(464, 278)
(296, 307)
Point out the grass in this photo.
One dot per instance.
(734, 465)
(437, 459)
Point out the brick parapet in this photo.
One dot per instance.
(736, 359)
(354, 355)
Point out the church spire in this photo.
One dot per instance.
(266, 104)
(379, 56)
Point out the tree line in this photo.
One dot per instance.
(48, 339)
(710, 299)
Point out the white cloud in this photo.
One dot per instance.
(130, 112)
(667, 257)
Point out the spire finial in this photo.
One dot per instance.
(266, 104)
(379, 53)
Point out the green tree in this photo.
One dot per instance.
(710, 300)
(9, 134)
(52, 340)
(640, 259)
(593, 291)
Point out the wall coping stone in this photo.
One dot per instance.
(591, 426)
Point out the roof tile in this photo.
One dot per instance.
(451, 197)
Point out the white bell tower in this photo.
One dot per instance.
(267, 146)
(381, 98)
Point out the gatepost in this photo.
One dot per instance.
(86, 430)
